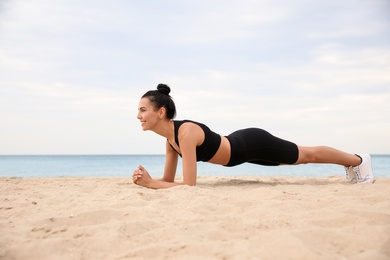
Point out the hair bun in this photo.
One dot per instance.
(164, 89)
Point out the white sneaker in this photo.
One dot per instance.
(364, 170)
(350, 175)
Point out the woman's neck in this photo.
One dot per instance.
(166, 129)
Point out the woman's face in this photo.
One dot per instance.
(147, 114)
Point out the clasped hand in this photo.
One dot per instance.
(141, 176)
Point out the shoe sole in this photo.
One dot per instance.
(366, 181)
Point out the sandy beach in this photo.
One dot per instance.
(221, 218)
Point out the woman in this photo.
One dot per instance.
(194, 142)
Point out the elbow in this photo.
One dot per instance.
(167, 180)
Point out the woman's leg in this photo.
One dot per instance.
(325, 154)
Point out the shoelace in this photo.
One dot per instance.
(357, 171)
(346, 173)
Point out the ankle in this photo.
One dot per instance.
(358, 161)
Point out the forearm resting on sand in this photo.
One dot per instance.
(141, 177)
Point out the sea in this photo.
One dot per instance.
(28, 166)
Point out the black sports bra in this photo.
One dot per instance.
(208, 148)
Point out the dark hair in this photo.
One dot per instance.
(161, 98)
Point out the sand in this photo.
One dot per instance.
(221, 218)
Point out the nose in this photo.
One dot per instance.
(138, 115)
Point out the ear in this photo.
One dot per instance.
(162, 112)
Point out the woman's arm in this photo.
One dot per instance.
(190, 136)
(171, 158)
(141, 177)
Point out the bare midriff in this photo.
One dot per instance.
(222, 156)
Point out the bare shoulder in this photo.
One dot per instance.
(192, 131)
(190, 126)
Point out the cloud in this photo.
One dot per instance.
(222, 22)
(298, 68)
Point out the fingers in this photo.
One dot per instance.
(137, 174)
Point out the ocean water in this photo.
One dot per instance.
(124, 165)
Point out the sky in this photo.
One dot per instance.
(312, 72)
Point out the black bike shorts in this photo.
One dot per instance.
(254, 145)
